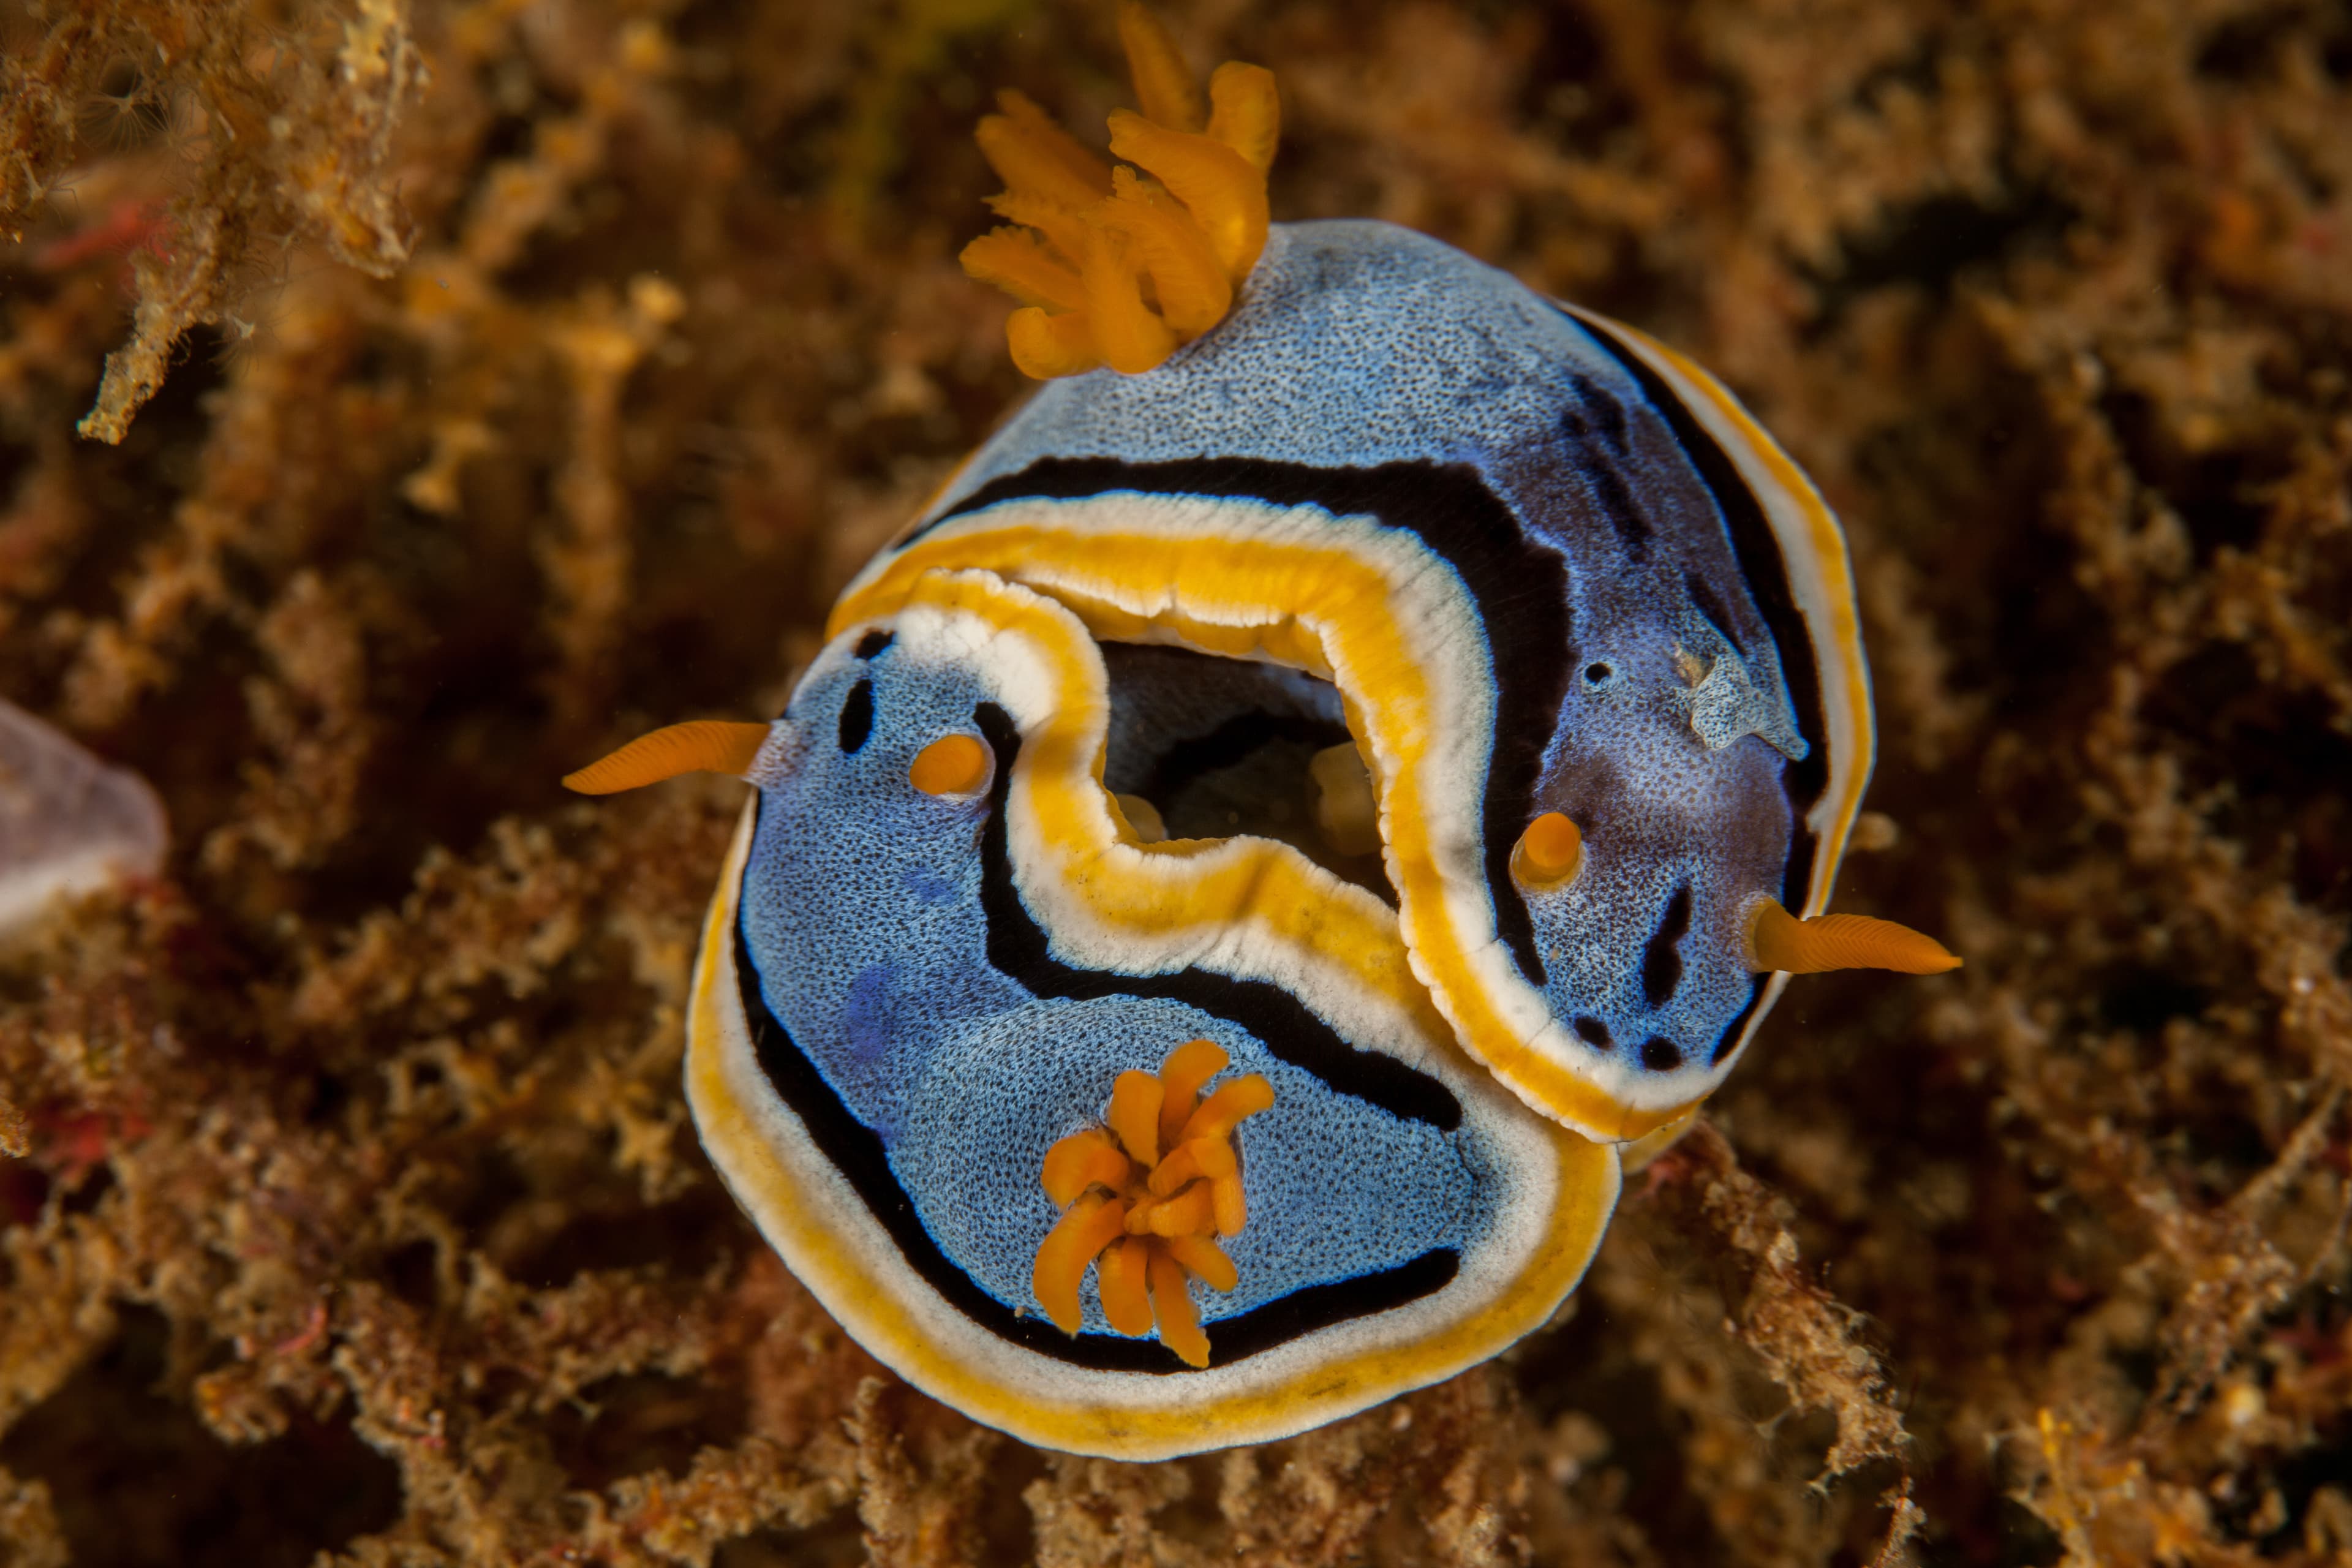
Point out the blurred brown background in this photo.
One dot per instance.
(491, 381)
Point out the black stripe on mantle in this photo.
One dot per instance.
(1517, 588)
(855, 1150)
(1765, 569)
(1289, 1029)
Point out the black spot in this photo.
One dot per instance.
(2296, 1479)
(2026, 1541)
(508, 136)
(857, 716)
(136, 1481)
(2246, 48)
(873, 642)
(1660, 1055)
(1596, 411)
(1623, 513)
(635, 1422)
(2219, 496)
(1597, 673)
(1594, 1031)
(1662, 965)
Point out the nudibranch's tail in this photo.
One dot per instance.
(1118, 268)
(706, 745)
(1778, 940)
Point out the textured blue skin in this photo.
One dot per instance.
(861, 908)
(1357, 344)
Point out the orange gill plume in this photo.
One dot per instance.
(1120, 267)
(1145, 1197)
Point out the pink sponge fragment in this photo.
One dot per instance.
(69, 823)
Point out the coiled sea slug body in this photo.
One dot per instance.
(1363, 742)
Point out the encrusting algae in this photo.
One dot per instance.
(344, 1179)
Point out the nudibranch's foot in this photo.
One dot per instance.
(914, 1057)
(1638, 1154)
(1216, 748)
(1118, 268)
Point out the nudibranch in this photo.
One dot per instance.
(1361, 746)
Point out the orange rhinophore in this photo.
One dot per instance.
(952, 764)
(1550, 852)
(1778, 940)
(705, 745)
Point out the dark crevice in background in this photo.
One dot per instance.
(1930, 243)
(138, 1481)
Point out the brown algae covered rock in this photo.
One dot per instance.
(484, 385)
